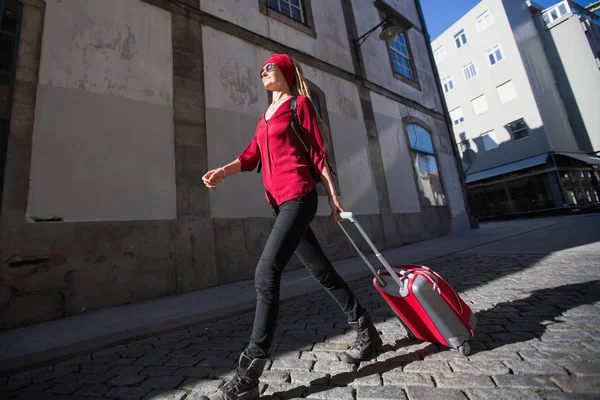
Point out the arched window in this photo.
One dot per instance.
(426, 165)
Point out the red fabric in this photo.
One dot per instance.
(285, 167)
(286, 66)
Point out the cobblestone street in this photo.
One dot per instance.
(537, 338)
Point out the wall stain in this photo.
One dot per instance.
(239, 81)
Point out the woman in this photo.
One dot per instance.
(289, 175)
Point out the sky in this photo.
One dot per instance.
(441, 14)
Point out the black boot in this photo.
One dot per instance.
(244, 385)
(367, 341)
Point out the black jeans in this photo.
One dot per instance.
(292, 233)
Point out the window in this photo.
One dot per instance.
(440, 54)
(400, 56)
(495, 55)
(425, 164)
(460, 38)
(506, 92)
(457, 116)
(479, 104)
(469, 70)
(484, 21)
(292, 8)
(489, 140)
(518, 129)
(448, 84)
(294, 13)
(553, 13)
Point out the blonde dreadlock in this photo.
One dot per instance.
(301, 88)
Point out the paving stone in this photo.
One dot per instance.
(535, 368)
(583, 368)
(501, 394)
(332, 346)
(93, 390)
(128, 393)
(495, 355)
(479, 367)
(320, 356)
(295, 355)
(97, 367)
(427, 367)
(292, 365)
(461, 381)
(216, 363)
(368, 380)
(571, 396)
(203, 386)
(309, 378)
(110, 350)
(193, 372)
(563, 336)
(126, 370)
(538, 355)
(577, 384)
(379, 392)
(331, 393)
(142, 342)
(333, 367)
(159, 371)
(422, 393)
(529, 382)
(398, 378)
(216, 354)
(283, 390)
(163, 382)
(127, 380)
(162, 394)
(183, 361)
(275, 376)
(73, 361)
(97, 378)
(65, 388)
(148, 361)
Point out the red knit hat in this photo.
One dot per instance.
(286, 66)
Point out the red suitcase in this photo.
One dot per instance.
(427, 306)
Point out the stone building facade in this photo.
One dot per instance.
(117, 108)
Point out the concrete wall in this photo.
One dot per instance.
(103, 132)
(578, 78)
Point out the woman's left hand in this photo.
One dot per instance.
(336, 208)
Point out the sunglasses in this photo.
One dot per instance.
(268, 68)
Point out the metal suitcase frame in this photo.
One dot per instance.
(426, 305)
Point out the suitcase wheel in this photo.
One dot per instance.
(465, 348)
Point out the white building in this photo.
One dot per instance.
(522, 86)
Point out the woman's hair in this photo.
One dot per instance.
(300, 87)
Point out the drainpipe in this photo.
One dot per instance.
(461, 173)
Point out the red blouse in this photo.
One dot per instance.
(285, 167)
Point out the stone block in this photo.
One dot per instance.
(195, 254)
(188, 101)
(256, 232)
(163, 382)
(535, 368)
(192, 200)
(577, 384)
(190, 165)
(309, 378)
(26, 310)
(422, 393)
(332, 393)
(187, 65)
(162, 394)
(504, 394)
(399, 378)
(187, 34)
(128, 393)
(529, 382)
(193, 136)
(379, 393)
(461, 381)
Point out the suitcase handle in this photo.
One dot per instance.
(394, 274)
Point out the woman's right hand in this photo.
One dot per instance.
(213, 177)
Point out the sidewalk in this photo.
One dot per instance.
(82, 334)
